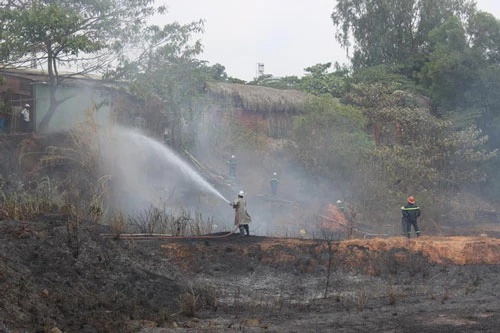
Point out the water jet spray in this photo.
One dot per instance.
(145, 168)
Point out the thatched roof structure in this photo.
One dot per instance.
(257, 98)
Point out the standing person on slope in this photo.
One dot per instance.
(232, 164)
(241, 216)
(274, 182)
(25, 117)
(411, 211)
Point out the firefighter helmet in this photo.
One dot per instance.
(411, 200)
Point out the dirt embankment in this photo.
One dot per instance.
(440, 250)
(303, 253)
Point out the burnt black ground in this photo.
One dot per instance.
(260, 284)
(44, 284)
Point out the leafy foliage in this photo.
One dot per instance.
(167, 74)
(391, 31)
(452, 65)
(330, 138)
(483, 30)
(90, 33)
(318, 81)
(424, 152)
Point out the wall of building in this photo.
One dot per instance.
(78, 103)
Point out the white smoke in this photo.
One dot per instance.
(147, 173)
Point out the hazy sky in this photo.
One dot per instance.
(287, 36)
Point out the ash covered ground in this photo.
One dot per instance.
(53, 279)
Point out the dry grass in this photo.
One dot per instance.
(82, 194)
(23, 204)
(163, 221)
(207, 296)
(261, 99)
(118, 224)
(393, 295)
(362, 298)
(188, 303)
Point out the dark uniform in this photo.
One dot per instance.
(340, 205)
(232, 164)
(274, 182)
(411, 211)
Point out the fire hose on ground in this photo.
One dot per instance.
(164, 236)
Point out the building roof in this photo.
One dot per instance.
(258, 98)
(41, 77)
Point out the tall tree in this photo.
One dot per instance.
(483, 30)
(452, 66)
(330, 138)
(167, 73)
(391, 31)
(421, 151)
(63, 33)
(318, 81)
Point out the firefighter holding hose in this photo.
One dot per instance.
(241, 216)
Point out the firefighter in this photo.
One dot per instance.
(340, 205)
(241, 216)
(232, 164)
(274, 182)
(25, 117)
(411, 211)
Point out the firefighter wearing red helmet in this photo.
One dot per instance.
(411, 211)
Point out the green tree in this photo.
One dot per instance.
(421, 152)
(452, 66)
(391, 31)
(87, 33)
(330, 138)
(483, 31)
(166, 74)
(483, 99)
(484, 93)
(317, 80)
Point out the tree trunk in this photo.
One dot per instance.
(53, 85)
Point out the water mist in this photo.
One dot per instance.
(146, 172)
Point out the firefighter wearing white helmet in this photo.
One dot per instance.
(25, 116)
(274, 183)
(241, 216)
(232, 165)
(340, 205)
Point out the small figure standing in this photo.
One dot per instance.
(241, 216)
(340, 205)
(411, 211)
(232, 164)
(274, 182)
(25, 116)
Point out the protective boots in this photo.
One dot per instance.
(244, 230)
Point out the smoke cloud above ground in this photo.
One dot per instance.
(301, 198)
(146, 173)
